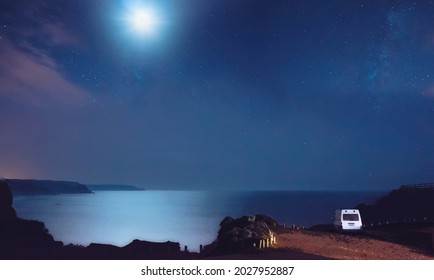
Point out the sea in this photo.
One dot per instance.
(191, 218)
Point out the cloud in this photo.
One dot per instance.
(32, 77)
(58, 35)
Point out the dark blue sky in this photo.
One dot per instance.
(223, 94)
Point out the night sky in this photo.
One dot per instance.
(218, 94)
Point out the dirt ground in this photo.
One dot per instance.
(342, 246)
(387, 242)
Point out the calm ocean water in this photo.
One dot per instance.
(189, 217)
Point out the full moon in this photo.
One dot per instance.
(143, 21)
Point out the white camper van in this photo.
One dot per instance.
(347, 219)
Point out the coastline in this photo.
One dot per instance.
(237, 239)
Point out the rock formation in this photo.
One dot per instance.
(242, 233)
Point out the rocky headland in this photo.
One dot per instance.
(45, 187)
(407, 204)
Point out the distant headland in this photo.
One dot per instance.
(29, 187)
(21, 187)
(113, 187)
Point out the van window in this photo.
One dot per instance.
(350, 217)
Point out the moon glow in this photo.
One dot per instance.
(143, 21)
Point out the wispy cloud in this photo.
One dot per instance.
(58, 35)
(32, 77)
(29, 72)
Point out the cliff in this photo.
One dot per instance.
(45, 187)
(21, 239)
(7, 212)
(406, 204)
